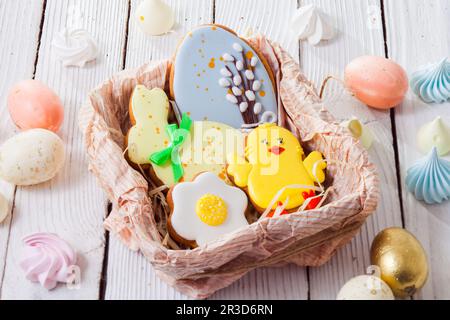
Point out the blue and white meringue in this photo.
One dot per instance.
(432, 83)
(429, 179)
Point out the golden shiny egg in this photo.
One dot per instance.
(402, 261)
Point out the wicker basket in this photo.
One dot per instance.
(307, 239)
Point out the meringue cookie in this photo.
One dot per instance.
(309, 23)
(359, 131)
(429, 179)
(154, 17)
(75, 47)
(47, 259)
(432, 82)
(4, 208)
(434, 134)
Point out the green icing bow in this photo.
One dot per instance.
(177, 137)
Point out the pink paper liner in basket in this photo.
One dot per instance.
(307, 239)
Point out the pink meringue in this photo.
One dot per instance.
(47, 259)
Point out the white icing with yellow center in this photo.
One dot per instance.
(204, 151)
(222, 209)
(211, 210)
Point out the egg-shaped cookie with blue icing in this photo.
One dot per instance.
(176, 152)
(218, 76)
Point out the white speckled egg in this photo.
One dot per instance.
(31, 157)
(4, 208)
(154, 17)
(365, 287)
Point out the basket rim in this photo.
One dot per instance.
(159, 255)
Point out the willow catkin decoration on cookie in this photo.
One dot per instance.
(219, 76)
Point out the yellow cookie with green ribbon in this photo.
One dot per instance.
(177, 152)
(149, 110)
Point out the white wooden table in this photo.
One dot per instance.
(413, 32)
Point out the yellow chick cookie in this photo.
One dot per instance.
(274, 160)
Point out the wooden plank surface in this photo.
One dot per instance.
(71, 205)
(418, 33)
(356, 35)
(16, 18)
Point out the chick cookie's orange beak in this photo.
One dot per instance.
(276, 150)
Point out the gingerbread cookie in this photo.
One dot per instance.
(204, 210)
(149, 110)
(218, 76)
(274, 160)
(207, 149)
(176, 152)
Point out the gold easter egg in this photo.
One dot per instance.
(402, 261)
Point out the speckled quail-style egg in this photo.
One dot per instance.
(402, 261)
(365, 287)
(31, 157)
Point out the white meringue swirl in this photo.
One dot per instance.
(75, 47)
(310, 23)
(47, 259)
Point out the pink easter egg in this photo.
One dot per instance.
(32, 105)
(376, 81)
